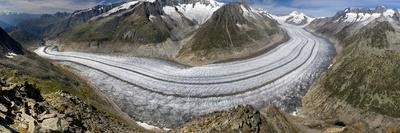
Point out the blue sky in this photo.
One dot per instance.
(318, 8)
(312, 7)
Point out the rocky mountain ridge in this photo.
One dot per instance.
(9, 45)
(351, 20)
(359, 86)
(24, 109)
(165, 29)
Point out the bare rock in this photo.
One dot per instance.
(3, 108)
(32, 124)
(51, 124)
(241, 119)
(47, 116)
(4, 129)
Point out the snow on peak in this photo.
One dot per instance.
(296, 13)
(152, 1)
(365, 16)
(124, 6)
(389, 12)
(264, 12)
(253, 13)
(199, 12)
(295, 17)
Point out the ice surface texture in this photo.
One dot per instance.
(167, 94)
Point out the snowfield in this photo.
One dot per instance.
(166, 94)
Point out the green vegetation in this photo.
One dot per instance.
(367, 74)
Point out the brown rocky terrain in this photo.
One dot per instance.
(242, 119)
(24, 109)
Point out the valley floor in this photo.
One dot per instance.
(166, 94)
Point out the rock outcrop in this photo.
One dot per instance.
(242, 119)
(24, 109)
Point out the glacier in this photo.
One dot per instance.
(166, 94)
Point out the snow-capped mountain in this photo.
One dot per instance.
(365, 15)
(198, 24)
(353, 19)
(295, 18)
(196, 11)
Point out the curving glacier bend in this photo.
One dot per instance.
(167, 94)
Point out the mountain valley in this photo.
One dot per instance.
(200, 66)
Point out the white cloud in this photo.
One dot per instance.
(45, 6)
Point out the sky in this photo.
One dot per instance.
(317, 8)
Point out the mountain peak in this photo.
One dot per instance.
(380, 8)
(296, 13)
(295, 18)
(366, 15)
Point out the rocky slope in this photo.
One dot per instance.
(226, 35)
(24, 109)
(362, 83)
(242, 119)
(49, 79)
(8, 45)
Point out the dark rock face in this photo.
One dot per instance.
(7, 44)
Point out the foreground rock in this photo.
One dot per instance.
(242, 119)
(23, 109)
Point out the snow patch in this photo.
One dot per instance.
(124, 6)
(151, 127)
(152, 1)
(197, 12)
(152, 17)
(170, 11)
(10, 55)
(351, 17)
(250, 12)
(389, 12)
